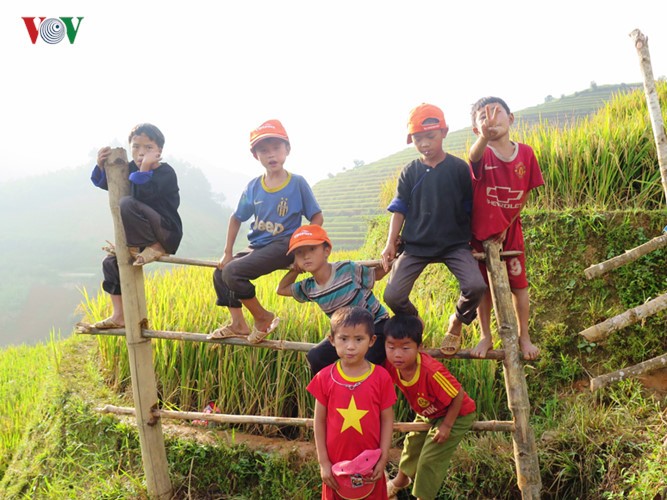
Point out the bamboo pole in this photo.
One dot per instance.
(139, 349)
(482, 426)
(525, 449)
(172, 259)
(276, 345)
(632, 371)
(625, 258)
(635, 315)
(653, 103)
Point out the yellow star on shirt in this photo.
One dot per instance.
(352, 416)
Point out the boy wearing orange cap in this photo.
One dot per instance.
(431, 213)
(332, 286)
(277, 200)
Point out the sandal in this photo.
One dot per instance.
(225, 332)
(111, 249)
(450, 344)
(256, 336)
(106, 324)
(392, 489)
(147, 256)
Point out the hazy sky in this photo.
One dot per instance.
(340, 75)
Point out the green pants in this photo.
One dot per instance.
(427, 462)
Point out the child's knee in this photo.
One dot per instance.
(126, 205)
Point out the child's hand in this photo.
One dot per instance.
(150, 161)
(442, 434)
(378, 471)
(327, 476)
(226, 259)
(489, 125)
(102, 156)
(388, 255)
(295, 267)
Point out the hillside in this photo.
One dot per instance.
(349, 199)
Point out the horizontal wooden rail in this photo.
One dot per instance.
(625, 258)
(277, 345)
(647, 366)
(171, 259)
(482, 426)
(631, 316)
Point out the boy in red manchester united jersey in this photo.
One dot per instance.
(353, 404)
(436, 397)
(504, 172)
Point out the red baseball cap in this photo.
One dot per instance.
(422, 113)
(311, 234)
(350, 475)
(270, 128)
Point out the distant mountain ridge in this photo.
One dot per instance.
(350, 198)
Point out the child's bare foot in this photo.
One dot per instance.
(529, 350)
(480, 350)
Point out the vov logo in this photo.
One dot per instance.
(53, 29)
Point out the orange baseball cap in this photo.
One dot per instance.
(311, 234)
(422, 113)
(270, 128)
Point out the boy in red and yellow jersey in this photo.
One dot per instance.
(436, 397)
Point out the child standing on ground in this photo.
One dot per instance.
(504, 173)
(436, 397)
(353, 403)
(432, 208)
(332, 286)
(150, 217)
(277, 200)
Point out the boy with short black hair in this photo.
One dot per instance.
(431, 212)
(332, 286)
(436, 397)
(504, 172)
(353, 404)
(153, 227)
(278, 200)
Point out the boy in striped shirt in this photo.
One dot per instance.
(437, 399)
(332, 286)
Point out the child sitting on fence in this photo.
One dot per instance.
(353, 410)
(332, 286)
(150, 217)
(437, 399)
(277, 200)
(504, 172)
(431, 212)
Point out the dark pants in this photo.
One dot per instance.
(143, 227)
(460, 262)
(232, 283)
(324, 353)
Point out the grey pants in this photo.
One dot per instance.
(460, 262)
(143, 227)
(232, 283)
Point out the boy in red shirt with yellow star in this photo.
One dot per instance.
(353, 404)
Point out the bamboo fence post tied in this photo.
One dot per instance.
(144, 389)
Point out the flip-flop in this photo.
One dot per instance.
(392, 489)
(450, 344)
(225, 332)
(256, 336)
(147, 256)
(106, 324)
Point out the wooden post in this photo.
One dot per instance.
(525, 449)
(647, 366)
(631, 316)
(653, 103)
(139, 349)
(629, 256)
